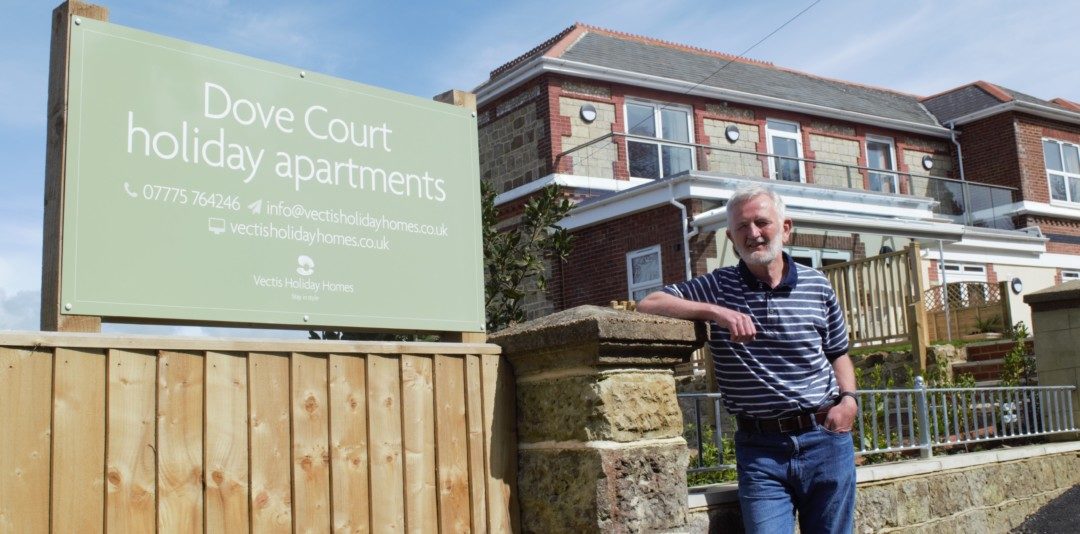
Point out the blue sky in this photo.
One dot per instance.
(423, 48)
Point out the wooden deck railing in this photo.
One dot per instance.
(137, 434)
(876, 295)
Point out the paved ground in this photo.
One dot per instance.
(1061, 515)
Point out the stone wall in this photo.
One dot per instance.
(983, 492)
(598, 159)
(840, 151)
(732, 163)
(513, 140)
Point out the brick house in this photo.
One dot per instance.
(652, 137)
(1031, 146)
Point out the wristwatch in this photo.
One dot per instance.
(851, 394)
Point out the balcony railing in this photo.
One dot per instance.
(895, 421)
(968, 203)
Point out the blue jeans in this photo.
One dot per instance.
(812, 472)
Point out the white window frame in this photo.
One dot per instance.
(889, 173)
(963, 272)
(656, 283)
(1069, 199)
(658, 128)
(796, 136)
(1067, 275)
(817, 255)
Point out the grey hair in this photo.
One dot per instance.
(750, 190)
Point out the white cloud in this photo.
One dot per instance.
(20, 311)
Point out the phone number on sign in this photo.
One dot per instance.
(187, 197)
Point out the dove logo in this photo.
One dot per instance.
(307, 266)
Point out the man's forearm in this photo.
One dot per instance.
(660, 303)
(845, 373)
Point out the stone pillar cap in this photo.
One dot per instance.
(605, 336)
(1069, 291)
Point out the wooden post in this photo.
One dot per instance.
(52, 318)
(917, 318)
(465, 100)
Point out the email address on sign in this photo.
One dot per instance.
(354, 218)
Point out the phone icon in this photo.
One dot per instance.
(127, 189)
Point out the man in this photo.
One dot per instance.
(779, 346)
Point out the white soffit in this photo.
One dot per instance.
(580, 183)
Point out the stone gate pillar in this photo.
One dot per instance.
(600, 444)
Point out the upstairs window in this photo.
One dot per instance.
(881, 156)
(1062, 170)
(662, 122)
(784, 139)
(643, 272)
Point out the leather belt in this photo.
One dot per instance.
(782, 425)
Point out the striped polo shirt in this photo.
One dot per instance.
(787, 368)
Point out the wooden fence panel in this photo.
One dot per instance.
(169, 436)
(452, 452)
(418, 439)
(500, 450)
(474, 416)
(226, 443)
(269, 425)
(311, 444)
(78, 441)
(130, 463)
(348, 443)
(384, 437)
(179, 442)
(25, 419)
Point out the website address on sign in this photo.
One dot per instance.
(307, 236)
(352, 218)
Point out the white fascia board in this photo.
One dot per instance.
(1024, 107)
(818, 197)
(954, 256)
(570, 181)
(914, 228)
(1018, 245)
(542, 64)
(1028, 207)
(1063, 261)
(642, 198)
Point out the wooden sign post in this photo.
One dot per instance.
(52, 318)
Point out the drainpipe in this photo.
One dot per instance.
(944, 288)
(685, 234)
(963, 179)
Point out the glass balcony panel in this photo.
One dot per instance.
(883, 182)
(644, 160)
(676, 159)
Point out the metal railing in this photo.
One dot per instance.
(968, 203)
(895, 421)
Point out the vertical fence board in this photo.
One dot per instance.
(384, 437)
(348, 444)
(78, 497)
(25, 419)
(226, 443)
(179, 442)
(271, 476)
(452, 454)
(130, 463)
(474, 413)
(310, 444)
(500, 432)
(418, 437)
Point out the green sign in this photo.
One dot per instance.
(207, 186)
